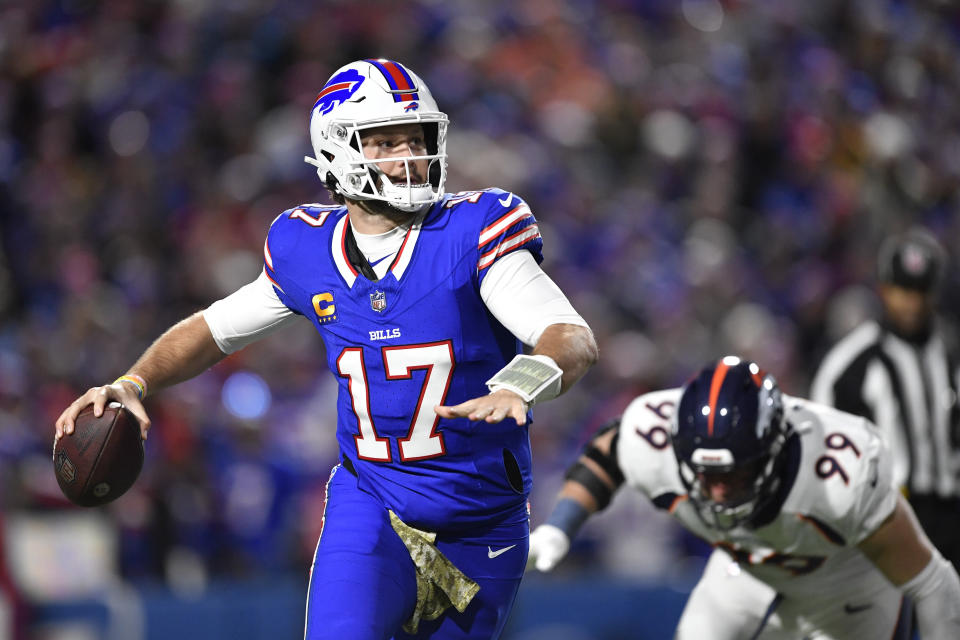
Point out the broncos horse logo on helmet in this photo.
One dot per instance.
(365, 95)
(729, 426)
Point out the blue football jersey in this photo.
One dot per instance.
(418, 337)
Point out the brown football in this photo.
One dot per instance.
(101, 459)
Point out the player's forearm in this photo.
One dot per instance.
(573, 490)
(590, 483)
(572, 347)
(596, 476)
(900, 550)
(899, 547)
(575, 504)
(182, 352)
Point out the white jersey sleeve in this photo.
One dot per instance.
(879, 499)
(846, 477)
(248, 314)
(524, 299)
(644, 452)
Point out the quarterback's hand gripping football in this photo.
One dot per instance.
(122, 392)
(548, 546)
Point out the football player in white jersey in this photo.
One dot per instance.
(811, 538)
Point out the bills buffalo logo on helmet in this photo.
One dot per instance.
(338, 90)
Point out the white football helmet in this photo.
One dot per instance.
(376, 93)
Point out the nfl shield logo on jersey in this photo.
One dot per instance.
(378, 301)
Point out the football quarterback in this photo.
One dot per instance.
(423, 299)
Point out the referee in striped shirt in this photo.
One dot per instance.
(901, 373)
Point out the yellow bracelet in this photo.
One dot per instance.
(136, 381)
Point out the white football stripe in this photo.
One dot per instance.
(266, 254)
(337, 249)
(504, 223)
(487, 259)
(406, 251)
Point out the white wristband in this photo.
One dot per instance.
(533, 378)
(936, 599)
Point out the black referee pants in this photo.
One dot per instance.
(940, 518)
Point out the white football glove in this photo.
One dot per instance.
(548, 546)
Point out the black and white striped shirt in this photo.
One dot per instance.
(910, 392)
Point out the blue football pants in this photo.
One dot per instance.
(363, 582)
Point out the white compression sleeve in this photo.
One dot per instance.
(936, 597)
(246, 315)
(524, 299)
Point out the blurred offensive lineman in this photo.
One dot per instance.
(422, 299)
(811, 538)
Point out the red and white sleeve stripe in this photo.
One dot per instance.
(510, 242)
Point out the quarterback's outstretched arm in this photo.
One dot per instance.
(183, 351)
(900, 550)
(567, 349)
(533, 308)
(590, 484)
(572, 347)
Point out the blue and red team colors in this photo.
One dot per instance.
(418, 337)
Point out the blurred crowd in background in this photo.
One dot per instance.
(710, 177)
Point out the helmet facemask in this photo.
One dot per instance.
(363, 179)
(756, 483)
